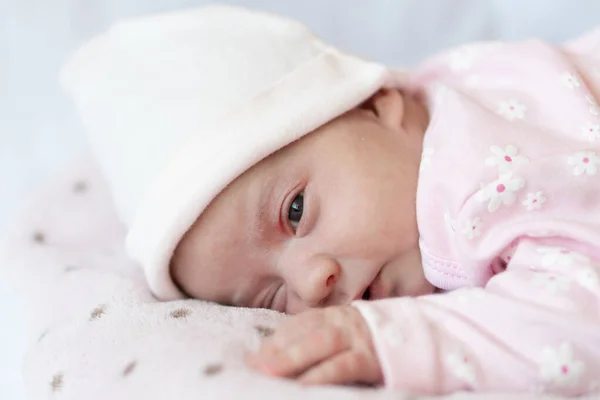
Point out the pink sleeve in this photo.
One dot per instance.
(584, 52)
(586, 43)
(534, 327)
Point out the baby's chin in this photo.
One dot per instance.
(425, 288)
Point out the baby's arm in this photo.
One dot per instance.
(535, 327)
(588, 43)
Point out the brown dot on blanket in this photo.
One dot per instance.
(180, 313)
(57, 382)
(97, 312)
(264, 331)
(38, 237)
(43, 335)
(80, 187)
(129, 368)
(71, 268)
(213, 369)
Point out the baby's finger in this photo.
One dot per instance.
(302, 355)
(346, 367)
(293, 330)
(286, 335)
(301, 324)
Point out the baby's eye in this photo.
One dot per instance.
(295, 212)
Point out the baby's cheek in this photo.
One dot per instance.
(416, 284)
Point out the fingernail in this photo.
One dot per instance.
(267, 367)
(257, 363)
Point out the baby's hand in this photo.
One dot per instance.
(325, 346)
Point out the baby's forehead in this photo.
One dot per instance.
(306, 150)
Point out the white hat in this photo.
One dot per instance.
(178, 105)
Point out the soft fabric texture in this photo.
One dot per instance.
(509, 216)
(496, 210)
(178, 105)
(97, 333)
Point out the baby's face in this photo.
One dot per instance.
(324, 221)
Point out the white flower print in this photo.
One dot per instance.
(461, 367)
(558, 366)
(588, 278)
(512, 110)
(561, 257)
(551, 282)
(462, 59)
(472, 228)
(426, 157)
(393, 336)
(594, 109)
(584, 162)
(449, 222)
(501, 191)
(569, 80)
(534, 201)
(591, 131)
(507, 159)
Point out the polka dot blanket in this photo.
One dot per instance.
(97, 333)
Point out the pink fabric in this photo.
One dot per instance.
(509, 215)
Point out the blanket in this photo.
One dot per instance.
(97, 333)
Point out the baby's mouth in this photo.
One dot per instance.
(375, 290)
(367, 294)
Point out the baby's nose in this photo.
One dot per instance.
(320, 281)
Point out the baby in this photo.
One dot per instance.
(438, 229)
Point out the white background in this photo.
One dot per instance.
(40, 133)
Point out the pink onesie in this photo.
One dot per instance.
(509, 216)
